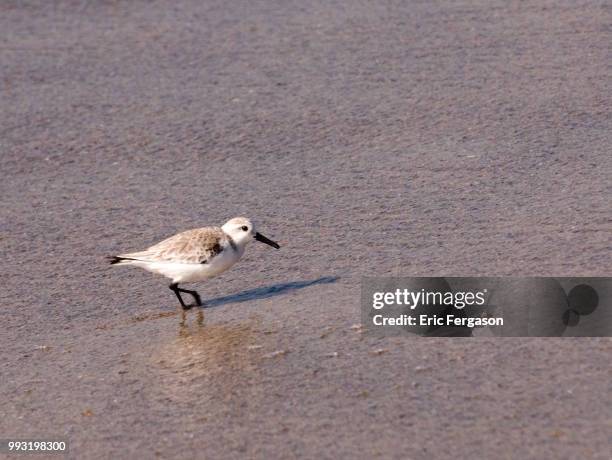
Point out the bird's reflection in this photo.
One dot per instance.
(184, 330)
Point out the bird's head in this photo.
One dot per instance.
(243, 231)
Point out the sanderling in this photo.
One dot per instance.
(197, 254)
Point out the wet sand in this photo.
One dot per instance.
(376, 138)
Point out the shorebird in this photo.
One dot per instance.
(196, 255)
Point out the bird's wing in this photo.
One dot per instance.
(195, 246)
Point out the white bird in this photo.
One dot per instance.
(196, 255)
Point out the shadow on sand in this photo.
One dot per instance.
(267, 291)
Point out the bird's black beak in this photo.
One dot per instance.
(263, 239)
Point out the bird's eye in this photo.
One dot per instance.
(244, 228)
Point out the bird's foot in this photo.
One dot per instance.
(196, 297)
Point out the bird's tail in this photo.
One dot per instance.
(114, 260)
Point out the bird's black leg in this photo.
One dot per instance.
(174, 288)
(195, 295)
(177, 290)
